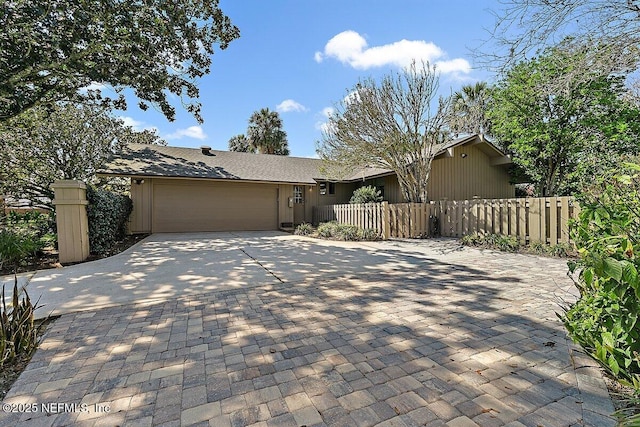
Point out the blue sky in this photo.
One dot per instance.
(300, 57)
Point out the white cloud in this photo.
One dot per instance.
(323, 125)
(130, 121)
(327, 111)
(137, 125)
(352, 49)
(457, 65)
(289, 105)
(195, 132)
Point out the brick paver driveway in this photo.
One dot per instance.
(314, 333)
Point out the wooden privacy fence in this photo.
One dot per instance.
(530, 219)
(543, 219)
(364, 215)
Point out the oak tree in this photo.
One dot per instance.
(71, 142)
(61, 50)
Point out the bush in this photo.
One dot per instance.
(18, 332)
(366, 194)
(333, 230)
(370, 235)
(16, 247)
(512, 244)
(604, 320)
(493, 241)
(304, 229)
(107, 213)
(327, 229)
(347, 232)
(37, 226)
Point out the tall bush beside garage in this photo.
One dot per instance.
(107, 214)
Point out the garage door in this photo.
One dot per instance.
(184, 206)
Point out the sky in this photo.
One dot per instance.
(301, 57)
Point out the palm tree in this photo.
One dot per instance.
(240, 143)
(469, 109)
(265, 133)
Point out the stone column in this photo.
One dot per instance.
(71, 218)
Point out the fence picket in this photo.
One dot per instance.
(533, 219)
(553, 220)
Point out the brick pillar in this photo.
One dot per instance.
(71, 218)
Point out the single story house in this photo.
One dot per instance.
(178, 189)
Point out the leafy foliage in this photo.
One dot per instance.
(240, 143)
(304, 229)
(493, 241)
(41, 226)
(24, 235)
(18, 331)
(52, 48)
(264, 135)
(334, 230)
(604, 320)
(38, 148)
(366, 194)
(390, 124)
(470, 107)
(15, 247)
(558, 137)
(513, 244)
(107, 214)
(327, 229)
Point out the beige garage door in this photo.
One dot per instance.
(184, 206)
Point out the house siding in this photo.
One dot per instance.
(456, 178)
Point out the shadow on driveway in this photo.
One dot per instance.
(298, 332)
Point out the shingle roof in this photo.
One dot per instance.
(165, 161)
(158, 160)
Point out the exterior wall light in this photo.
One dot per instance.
(139, 181)
(463, 155)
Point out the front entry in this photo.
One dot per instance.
(298, 205)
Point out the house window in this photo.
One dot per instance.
(332, 188)
(380, 188)
(298, 194)
(323, 188)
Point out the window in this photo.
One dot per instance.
(323, 188)
(380, 188)
(298, 194)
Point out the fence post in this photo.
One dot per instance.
(386, 221)
(71, 219)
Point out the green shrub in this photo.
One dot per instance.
(107, 213)
(539, 248)
(18, 331)
(327, 229)
(16, 247)
(474, 239)
(304, 229)
(493, 241)
(370, 235)
(347, 232)
(604, 320)
(36, 225)
(366, 194)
